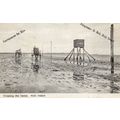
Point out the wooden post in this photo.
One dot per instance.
(112, 48)
(51, 52)
(70, 54)
(73, 55)
(83, 57)
(80, 57)
(77, 56)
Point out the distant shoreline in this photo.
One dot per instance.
(54, 53)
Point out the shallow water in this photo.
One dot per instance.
(25, 76)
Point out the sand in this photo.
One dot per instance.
(58, 76)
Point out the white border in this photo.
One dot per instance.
(62, 11)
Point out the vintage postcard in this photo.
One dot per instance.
(59, 60)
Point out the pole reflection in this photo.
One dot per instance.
(114, 88)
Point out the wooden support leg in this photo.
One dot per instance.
(73, 55)
(77, 56)
(83, 57)
(80, 56)
(68, 55)
(89, 55)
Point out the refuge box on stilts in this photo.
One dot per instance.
(78, 54)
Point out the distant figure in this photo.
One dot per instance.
(18, 55)
(36, 53)
(36, 57)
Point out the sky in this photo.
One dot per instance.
(61, 35)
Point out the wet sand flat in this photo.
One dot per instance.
(58, 76)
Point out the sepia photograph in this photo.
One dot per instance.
(60, 58)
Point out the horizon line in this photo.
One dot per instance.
(52, 53)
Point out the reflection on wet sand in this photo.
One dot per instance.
(78, 76)
(36, 59)
(18, 61)
(18, 56)
(35, 66)
(31, 76)
(114, 88)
